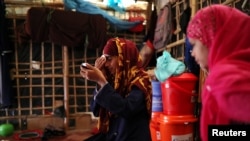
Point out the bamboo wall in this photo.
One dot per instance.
(47, 76)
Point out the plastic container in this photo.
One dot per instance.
(187, 81)
(179, 94)
(6, 129)
(157, 105)
(154, 126)
(177, 128)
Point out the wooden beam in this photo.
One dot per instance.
(174, 44)
(65, 85)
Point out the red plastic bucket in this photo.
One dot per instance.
(186, 81)
(154, 126)
(177, 128)
(179, 95)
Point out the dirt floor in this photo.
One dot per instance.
(72, 136)
(78, 134)
(53, 128)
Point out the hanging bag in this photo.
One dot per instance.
(163, 30)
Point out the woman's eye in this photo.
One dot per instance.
(108, 58)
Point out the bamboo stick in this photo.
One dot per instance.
(30, 80)
(33, 3)
(21, 116)
(228, 2)
(65, 83)
(174, 44)
(194, 5)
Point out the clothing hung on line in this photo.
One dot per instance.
(6, 93)
(64, 27)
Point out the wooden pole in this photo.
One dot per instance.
(65, 85)
(171, 45)
(194, 7)
(228, 2)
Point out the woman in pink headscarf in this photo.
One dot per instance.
(221, 46)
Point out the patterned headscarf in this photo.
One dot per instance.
(225, 97)
(129, 73)
(221, 29)
(202, 27)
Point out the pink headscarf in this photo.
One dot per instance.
(226, 93)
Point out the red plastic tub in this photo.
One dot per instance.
(177, 128)
(155, 126)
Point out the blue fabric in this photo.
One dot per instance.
(189, 60)
(167, 66)
(115, 4)
(86, 7)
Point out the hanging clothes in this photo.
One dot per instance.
(184, 19)
(163, 29)
(64, 27)
(6, 95)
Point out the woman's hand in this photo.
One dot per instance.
(93, 74)
(100, 62)
(151, 74)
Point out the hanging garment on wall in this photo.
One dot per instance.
(64, 27)
(152, 26)
(86, 7)
(6, 95)
(184, 19)
(160, 4)
(163, 30)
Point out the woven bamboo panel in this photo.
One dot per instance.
(46, 76)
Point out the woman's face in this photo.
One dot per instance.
(111, 63)
(200, 53)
